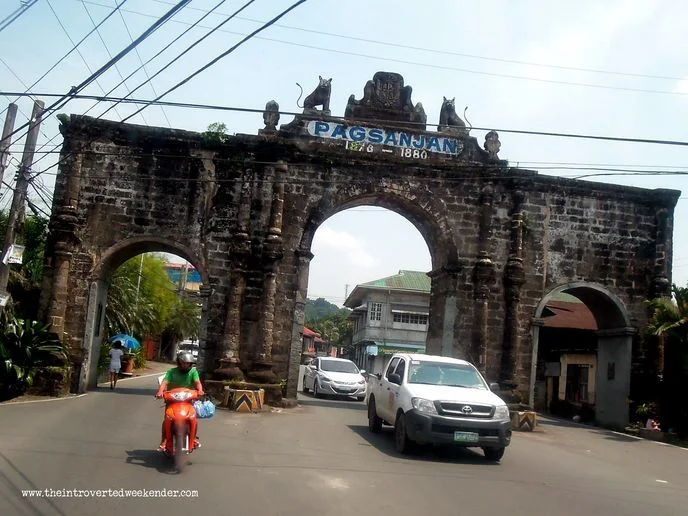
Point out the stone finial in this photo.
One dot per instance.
(271, 118)
(492, 144)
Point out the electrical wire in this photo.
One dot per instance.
(88, 67)
(380, 121)
(107, 49)
(449, 68)
(19, 11)
(224, 54)
(62, 101)
(72, 49)
(188, 49)
(446, 52)
(145, 70)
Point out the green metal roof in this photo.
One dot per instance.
(404, 280)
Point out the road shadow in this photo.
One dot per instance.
(606, 433)
(130, 390)
(308, 400)
(384, 442)
(152, 459)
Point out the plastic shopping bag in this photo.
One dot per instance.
(204, 409)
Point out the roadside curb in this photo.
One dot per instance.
(544, 417)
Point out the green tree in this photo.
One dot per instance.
(669, 323)
(216, 133)
(143, 306)
(25, 279)
(336, 330)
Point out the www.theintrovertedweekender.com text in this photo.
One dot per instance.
(110, 493)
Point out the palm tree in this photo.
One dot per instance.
(669, 322)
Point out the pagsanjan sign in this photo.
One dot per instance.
(416, 145)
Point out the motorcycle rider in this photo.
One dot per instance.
(184, 375)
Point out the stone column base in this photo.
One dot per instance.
(523, 421)
(243, 400)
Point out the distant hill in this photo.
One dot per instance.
(321, 308)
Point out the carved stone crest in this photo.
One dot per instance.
(385, 98)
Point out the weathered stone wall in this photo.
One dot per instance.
(245, 212)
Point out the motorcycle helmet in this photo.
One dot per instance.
(185, 361)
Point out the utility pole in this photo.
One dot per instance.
(15, 220)
(346, 291)
(6, 140)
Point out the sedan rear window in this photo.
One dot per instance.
(337, 366)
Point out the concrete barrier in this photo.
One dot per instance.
(523, 421)
(243, 400)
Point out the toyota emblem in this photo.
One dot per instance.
(467, 409)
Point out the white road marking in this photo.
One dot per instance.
(7, 403)
(662, 481)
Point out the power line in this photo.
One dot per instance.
(64, 29)
(443, 67)
(64, 99)
(224, 54)
(449, 53)
(188, 49)
(138, 54)
(255, 110)
(107, 49)
(21, 10)
(73, 48)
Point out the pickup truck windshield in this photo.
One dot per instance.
(335, 366)
(438, 373)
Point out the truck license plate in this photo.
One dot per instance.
(465, 437)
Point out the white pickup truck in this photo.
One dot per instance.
(438, 400)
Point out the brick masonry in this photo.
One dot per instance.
(245, 211)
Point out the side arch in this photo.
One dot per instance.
(105, 265)
(614, 349)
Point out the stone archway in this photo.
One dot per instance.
(244, 211)
(614, 349)
(98, 284)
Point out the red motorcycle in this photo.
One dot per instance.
(180, 424)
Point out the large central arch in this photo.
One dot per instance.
(244, 212)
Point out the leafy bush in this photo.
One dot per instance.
(25, 346)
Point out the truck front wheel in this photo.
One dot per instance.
(493, 454)
(374, 422)
(402, 441)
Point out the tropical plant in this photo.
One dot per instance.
(25, 346)
(216, 133)
(669, 323)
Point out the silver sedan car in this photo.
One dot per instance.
(334, 377)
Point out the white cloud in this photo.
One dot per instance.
(682, 86)
(330, 238)
(327, 237)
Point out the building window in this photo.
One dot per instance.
(577, 382)
(376, 311)
(411, 318)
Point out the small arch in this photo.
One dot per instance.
(608, 310)
(609, 359)
(108, 262)
(119, 253)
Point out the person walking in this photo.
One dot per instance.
(116, 354)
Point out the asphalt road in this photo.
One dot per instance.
(318, 460)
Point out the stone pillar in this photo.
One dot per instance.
(262, 368)
(228, 352)
(304, 258)
(661, 287)
(514, 279)
(443, 312)
(203, 363)
(483, 278)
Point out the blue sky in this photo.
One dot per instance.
(516, 65)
